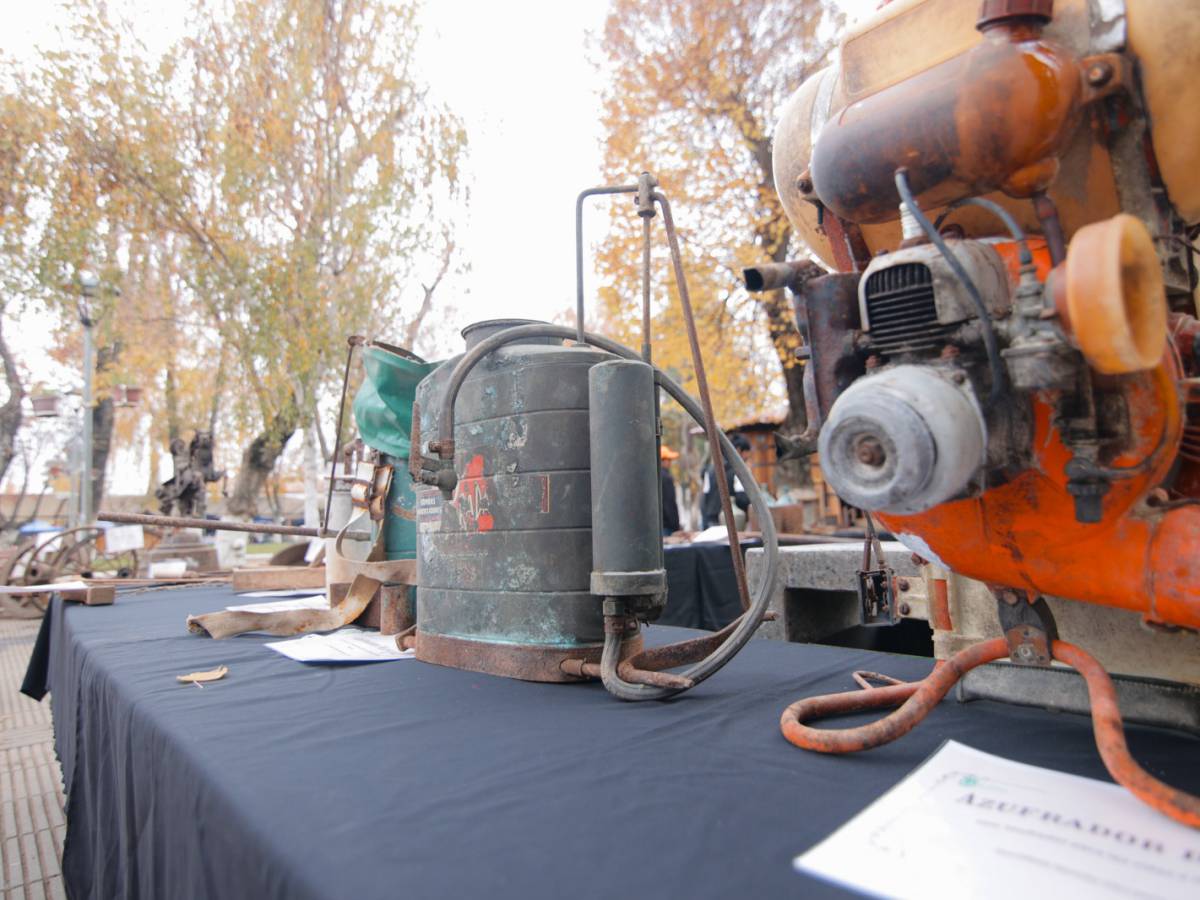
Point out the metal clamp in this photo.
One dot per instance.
(876, 592)
(1028, 626)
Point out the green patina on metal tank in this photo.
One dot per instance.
(504, 565)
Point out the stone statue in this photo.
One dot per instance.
(193, 469)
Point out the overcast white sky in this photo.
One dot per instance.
(518, 73)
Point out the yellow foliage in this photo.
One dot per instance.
(256, 194)
(695, 86)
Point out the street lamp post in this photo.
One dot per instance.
(88, 284)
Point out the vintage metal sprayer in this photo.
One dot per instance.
(539, 550)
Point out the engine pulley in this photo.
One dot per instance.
(903, 440)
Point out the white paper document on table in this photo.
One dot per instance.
(312, 601)
(969, 824)
(283, 592)
(343, 645)
(43, 588)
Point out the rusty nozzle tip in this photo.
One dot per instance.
(777, 275)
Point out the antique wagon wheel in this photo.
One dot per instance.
(68, 553)
(31, 566)
(83, 557)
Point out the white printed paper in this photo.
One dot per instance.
(313, 601)
(711, 535)
(168, 568)
(283, 592)
(343, 645)
(969, 824)
(121, 538)
(43, 588)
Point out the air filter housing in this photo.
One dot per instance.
(911, 302)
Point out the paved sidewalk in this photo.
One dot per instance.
(31, 795)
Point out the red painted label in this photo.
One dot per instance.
(471, 497)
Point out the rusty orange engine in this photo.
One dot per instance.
(1010, 395)
(1004, 370)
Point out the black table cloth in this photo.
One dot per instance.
(701, 589)
(402, 779)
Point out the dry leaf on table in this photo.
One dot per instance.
(197, 677)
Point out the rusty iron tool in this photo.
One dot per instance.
(217, 525)
(352, 341)
(710, 421)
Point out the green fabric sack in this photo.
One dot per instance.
(383, 409)
(383, 405)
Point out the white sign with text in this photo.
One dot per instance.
(970, 824)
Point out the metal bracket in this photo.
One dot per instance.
(371, 493)
(876, 587)
(1028, 626)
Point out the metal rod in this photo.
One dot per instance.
(646, 290)
(710, 421)
(583, 195)
(1047, 214)
(645, 209)
(353, 341)
(217, 525)
(85, 485)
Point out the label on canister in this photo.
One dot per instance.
(429, 512)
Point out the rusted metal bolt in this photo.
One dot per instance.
(905, 609)
(1099, 74)
(870, 452)
(918, 560)
(1025, 652)
(902, 584)
(804, 184)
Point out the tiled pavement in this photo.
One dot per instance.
(31, 795)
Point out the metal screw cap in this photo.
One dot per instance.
(992, 12)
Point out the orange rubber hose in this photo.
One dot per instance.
(1110, 741)
(916, 700)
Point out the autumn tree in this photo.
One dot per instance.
(270, 184)
(694, 90)
(18, 176)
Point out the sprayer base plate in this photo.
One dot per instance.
(527, 662)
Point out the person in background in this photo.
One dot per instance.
(710, 503)
(670, 508)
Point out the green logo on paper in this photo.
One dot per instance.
(969, 781)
